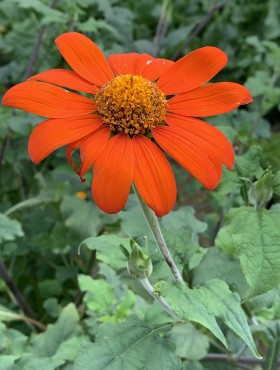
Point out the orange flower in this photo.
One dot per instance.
(136, 105)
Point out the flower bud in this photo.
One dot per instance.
(262, 189)
(139, 263)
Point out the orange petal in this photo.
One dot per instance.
(47, 100)
(176, 142)
(84, 57)
(113, 171)
(55, 133)
(193, 70)
(153, 176)
(91, 147)
(122, 64)
(138, 64)
(210, 100)
(65, 78)
(207, 137)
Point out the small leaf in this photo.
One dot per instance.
(108, 250)
(133, 344)
(100, 295)
(9, 229)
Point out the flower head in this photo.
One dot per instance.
(133, 108)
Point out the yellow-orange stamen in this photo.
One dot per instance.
(131, 104)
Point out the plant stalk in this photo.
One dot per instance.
(156, 231)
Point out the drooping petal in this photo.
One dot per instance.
(209, 100)
(176, 142)
(193, 70)
(84, 57)
(91, 147)
(211, 140)
(57, 132)
(153, 176)
(65, 78)
(139, 64)
(113, 171)
(47, 100)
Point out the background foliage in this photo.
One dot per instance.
(61, 309)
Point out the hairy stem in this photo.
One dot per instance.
(156, 231)
(149, 288)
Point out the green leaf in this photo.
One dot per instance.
(48, 343)
(9, 229)
(133, 344)
(216, 264)
(190, 342)
(7, 362)
(208, 303)
(254, 237)
(100, 295)
(108, 250)
(249, 163)
(276, 183)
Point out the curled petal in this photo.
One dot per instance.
(65, 78)
(193, 70)
(153, 176)
(181, 146)
(47, 100)
(210, 100)
(211, 140)
(84, 57)
(113, 171)
(90, 147)
(55, 133)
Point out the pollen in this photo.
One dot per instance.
(131, 104)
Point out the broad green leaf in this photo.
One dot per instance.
(108, 250)
(190, 342)
(133, 344)
(255, 239)
(208, 303)
(48, 343)
(100, 296)
(7, 362)
(216, 264)
(9, 229)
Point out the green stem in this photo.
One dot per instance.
(156, 231)
(149, 288)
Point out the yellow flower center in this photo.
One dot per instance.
(131, 104)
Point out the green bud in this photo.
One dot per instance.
(262, 189)
(139, 264)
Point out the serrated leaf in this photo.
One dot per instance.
(255, 238)
(208, 303)
(133, 344)
(107, 249)
(216, 264)
(9, 229)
